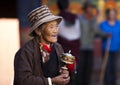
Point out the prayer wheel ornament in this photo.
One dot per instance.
(67, 58)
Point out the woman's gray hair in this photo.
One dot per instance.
(40, 28)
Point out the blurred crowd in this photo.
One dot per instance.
(78, 33)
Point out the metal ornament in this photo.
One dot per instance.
(67, 58)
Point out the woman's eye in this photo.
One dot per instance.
(54, 26)
(51, 27)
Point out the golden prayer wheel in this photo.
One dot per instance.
(67, 58)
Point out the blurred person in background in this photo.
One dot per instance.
(38, 61)
(89, 28)
(111, 28)
(69, 33)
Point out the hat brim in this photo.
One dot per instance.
(44, 20)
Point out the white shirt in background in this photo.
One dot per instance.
(70, 33)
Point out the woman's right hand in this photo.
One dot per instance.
(62, 79)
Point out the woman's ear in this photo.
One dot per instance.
(38, 32)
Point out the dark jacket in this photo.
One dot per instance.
(27, 64)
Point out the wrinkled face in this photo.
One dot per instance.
(49, 32)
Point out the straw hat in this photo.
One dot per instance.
(41, 15)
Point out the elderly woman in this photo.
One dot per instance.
(38, 61)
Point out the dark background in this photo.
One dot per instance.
(8, 8)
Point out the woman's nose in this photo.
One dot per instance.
(56, 30)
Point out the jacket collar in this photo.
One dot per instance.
(37, 50)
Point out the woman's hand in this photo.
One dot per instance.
(65, 72)
(62, 79)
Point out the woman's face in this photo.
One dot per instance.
(50, 31)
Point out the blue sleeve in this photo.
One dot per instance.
(102, 27)
(105, 27)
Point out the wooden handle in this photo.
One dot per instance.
(105, 60)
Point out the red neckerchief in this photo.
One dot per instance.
(48, 49)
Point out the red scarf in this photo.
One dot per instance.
(48, 49)
(45, 51)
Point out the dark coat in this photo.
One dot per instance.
(27, 64)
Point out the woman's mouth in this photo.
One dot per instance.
(54, 36)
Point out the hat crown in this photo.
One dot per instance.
(38, 14)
